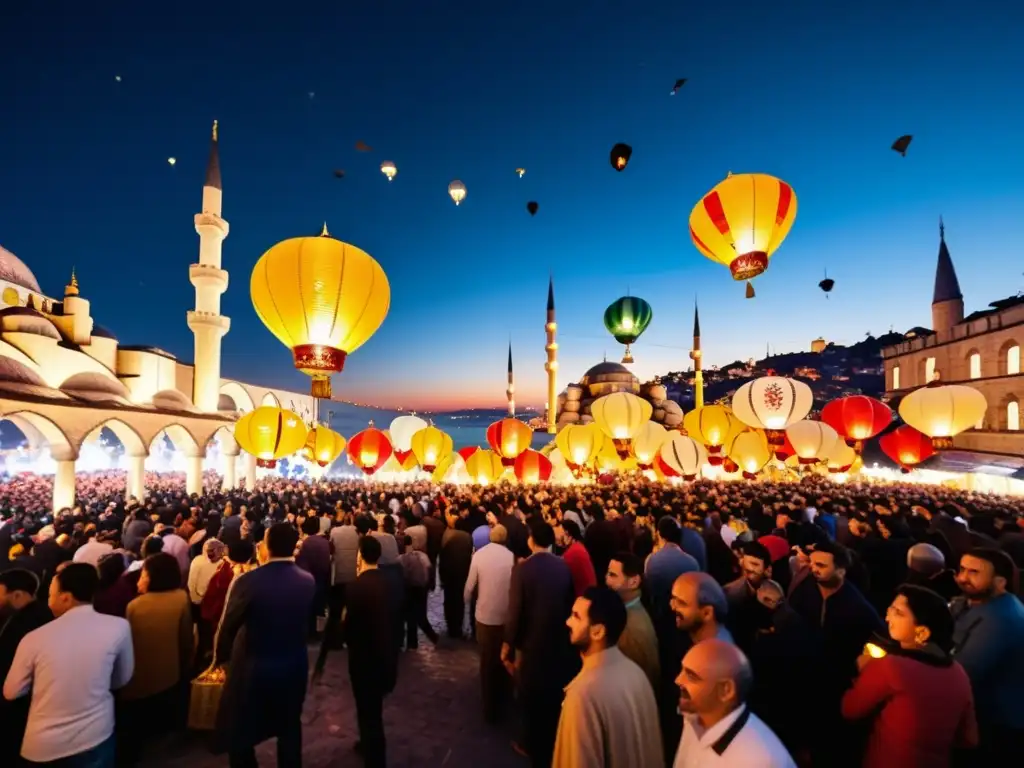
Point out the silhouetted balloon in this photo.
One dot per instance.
(620, 156)
(827, 285)
(362, 146)
(679, 84)
(339, 174)
(532, 207)
(901, 144)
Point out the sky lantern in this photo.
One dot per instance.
(532, 467)
(943, 411)
(682, 456)
(322, 299)
(842, 458)
(647, 443)
(457, 191)
(431, 446)
(389, 169)
(857, 418)
(400, 434)
(369, 449)
(907, 447)
(772, 403)
(714, 426)
(484, 467)
(626, 319)
(325, 445)
(579, 445)
(750, 452)
(812, 441)
(619, 156)
(742, 221)
(620, 416)
(467, 450)
(270, 433)
(508, 438)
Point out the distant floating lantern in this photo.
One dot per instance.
(620, 155)
(626, 319)
(270, 433)
(520, 171)
(172, 160)
(457, 191)
(389, 169)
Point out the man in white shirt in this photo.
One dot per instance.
(93, 550)
(70, 667)
(719, 730)
(490, 574)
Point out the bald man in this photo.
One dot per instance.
(926, 567)
(700, 607)
(719, 729)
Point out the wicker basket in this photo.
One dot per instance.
(204, 700)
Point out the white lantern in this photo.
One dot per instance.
(812, 441)
(772, 403)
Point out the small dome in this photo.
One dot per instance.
(25, 320)
(605, 378)
(605, 368)
(13, 270)
(11, 371)
(95, 387)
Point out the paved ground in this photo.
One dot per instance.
(432, 719)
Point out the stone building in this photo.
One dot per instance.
(982, 349)
(604, 379)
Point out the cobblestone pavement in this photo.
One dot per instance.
(432, 719)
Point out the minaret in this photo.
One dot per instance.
(947, 301)
(695, 355)
(210, 281)
(551, 366)
(511, 391)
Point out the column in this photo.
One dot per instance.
(250, 471)
(230, 470)
(64, 485)
(194, 475)
(137, 477)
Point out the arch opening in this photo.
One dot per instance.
(234, 397)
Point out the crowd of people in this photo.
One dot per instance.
(629, 624)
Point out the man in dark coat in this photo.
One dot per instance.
(453, 568)
(262, 636)
(536, 644)
(372, 650)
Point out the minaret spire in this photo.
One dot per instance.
(213, 164)
(947, 300)
(551, 366)
(696, 355)
(510, 392)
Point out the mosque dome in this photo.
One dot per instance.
(27, 320)
(13, 270)
(605, 378)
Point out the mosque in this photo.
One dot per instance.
(63, 377)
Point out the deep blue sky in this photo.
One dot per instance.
(812, 92)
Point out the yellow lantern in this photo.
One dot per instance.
(508, 438)
(270, 433)
(742, 221)
(812, 441)
(579, 444)
(714, 426)
(431, 446)
(409, 463)
(842, 458)
(683, 455)
(608, 458)
(322, 299)
(648, 442)
(620, 416)
(484, 467)
(772, 403)
(750, 452)
(943, 411)
(324, 445)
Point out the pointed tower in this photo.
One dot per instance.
(510, 393)
(210, 281)
(695, 355)
(947, 301)
(77, 316)
(551, 366)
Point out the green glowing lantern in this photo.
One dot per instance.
(626, 319)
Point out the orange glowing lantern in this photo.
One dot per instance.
(907, 447)
(508, 438)
(369, 449)
(857, 418)
(532, 467)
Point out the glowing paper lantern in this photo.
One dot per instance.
(812, 441)
(943, 411)
(742, 221)
(620, 416)
(408, 464)
(857, 418)
(389, 169)
(322, 299)
(431, 446)
(647, 442)
(369, 449)
(325, 445)
(682, 456)
(626, 319)
(508, 438)
(484, 467)
(270, 433)
(664, 468)
(786, 450)
(906, 446)
(457, 191)
(579, 444)
(714, 426)
(400, 434)
(772, 403)
(532, 467)
(750, 452)
(842, 458)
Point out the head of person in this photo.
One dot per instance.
(566, 532)
(920, 617)
(369, 553)
(986, 573)
(926, 559)
(18, 588)
(668, 531)
(756, 563)
(281, 539)
(110, 567)
(542, 536)
(597, 620)
(829, 563)
(213, 549)
(241, 551)
(72, 586)
(498, 534)
(160, 573)
(714, 680)
(697, 600)
(311, 525)
(625, 574)
(152, 545)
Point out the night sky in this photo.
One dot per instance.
(812, 92)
